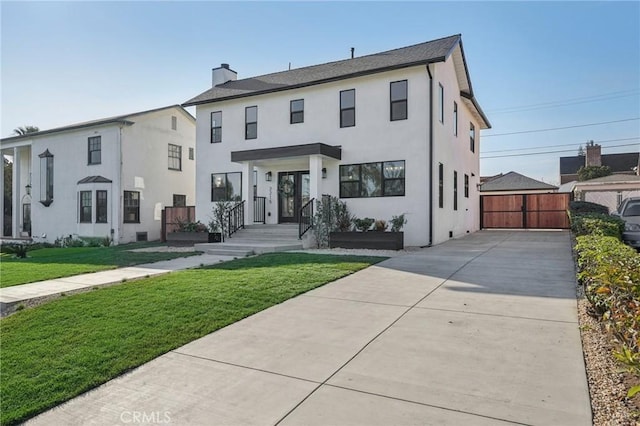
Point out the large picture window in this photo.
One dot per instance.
(101, 206)
(251, 122)
(226, 186)
(175, 157)
(95, 150)
(348, 108)
(131, 207)
(85, 206)
(216, 127)
(398, 106)
(380, 179)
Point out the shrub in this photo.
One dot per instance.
(610, 273)
(596, 224)
(331, 215)
(198, 226)
(19, 250)
(587, 207)
(592, 172)
(397, 222)
(363, 224)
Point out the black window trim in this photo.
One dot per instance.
(226, 185)
(441, 103)
(292, 112)
(466, 185)
(342, 125)
(85, 209)
(126, 207)
(472, 137)
(455, 190)
(440, 185)
(384, 180)
(91, 139)
(400, 101)
(219, 128)
(98, 206)
(455, 119)
(247, 123)
(174, 157)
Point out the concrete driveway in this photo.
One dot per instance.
(480, 331)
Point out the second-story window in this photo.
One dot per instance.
(466, 186)
(348, 108)
(441, 185)
(174, 122)
(398, 106)
(95, 150)
(216, 127)
(472, 137)
(455, 118)
(441, 103)
(251, 122)
(175, 157)
(297, 111)
(455, 190)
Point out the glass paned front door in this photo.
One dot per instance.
(293, 193)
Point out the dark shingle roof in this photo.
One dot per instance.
(623, 162)
(94, 179)
(423, 53)
(513, 181)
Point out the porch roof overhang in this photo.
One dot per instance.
(287, 152)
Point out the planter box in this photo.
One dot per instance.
(367, 240)
(187, 238)
(215, 237)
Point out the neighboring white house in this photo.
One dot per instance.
(109, 177)
(390, 133)
(608, 190)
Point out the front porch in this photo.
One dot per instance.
(283, 180)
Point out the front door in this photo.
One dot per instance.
(293, 193)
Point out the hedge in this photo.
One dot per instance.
(596, 224)
(587, 207)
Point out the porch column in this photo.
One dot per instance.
(315, 176)
(247, 191)
(16, 208)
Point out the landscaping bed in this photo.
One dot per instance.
(609, 314)
(54, 352)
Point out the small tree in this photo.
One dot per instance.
(220, 217)
(331, 215)
(23, 130)
(592, 172)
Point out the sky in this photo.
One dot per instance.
(533, 65)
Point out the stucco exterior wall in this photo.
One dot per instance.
(145, 168)
(374, 138)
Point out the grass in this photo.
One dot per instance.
(50, 263)
(56, 351)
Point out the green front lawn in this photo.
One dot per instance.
(50, 263)
(56, 351)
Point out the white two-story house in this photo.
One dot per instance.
(109, 177)
(389, 133)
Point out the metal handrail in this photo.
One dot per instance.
(305, 217)
(259, 209)
(236, 218)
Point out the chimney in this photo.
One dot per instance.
(593, 157)
(222, 75)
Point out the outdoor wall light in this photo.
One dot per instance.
(28, 189)
(267, 176)
(324, 173)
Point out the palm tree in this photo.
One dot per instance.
(25, 129)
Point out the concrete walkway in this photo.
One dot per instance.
(10, 297)
(478, 331)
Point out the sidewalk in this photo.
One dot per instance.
(481, 330)
(27, 294)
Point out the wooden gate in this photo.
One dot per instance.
(172, 216)
(525, 211)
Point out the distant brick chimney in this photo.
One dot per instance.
(222, 74)
(594, 155)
